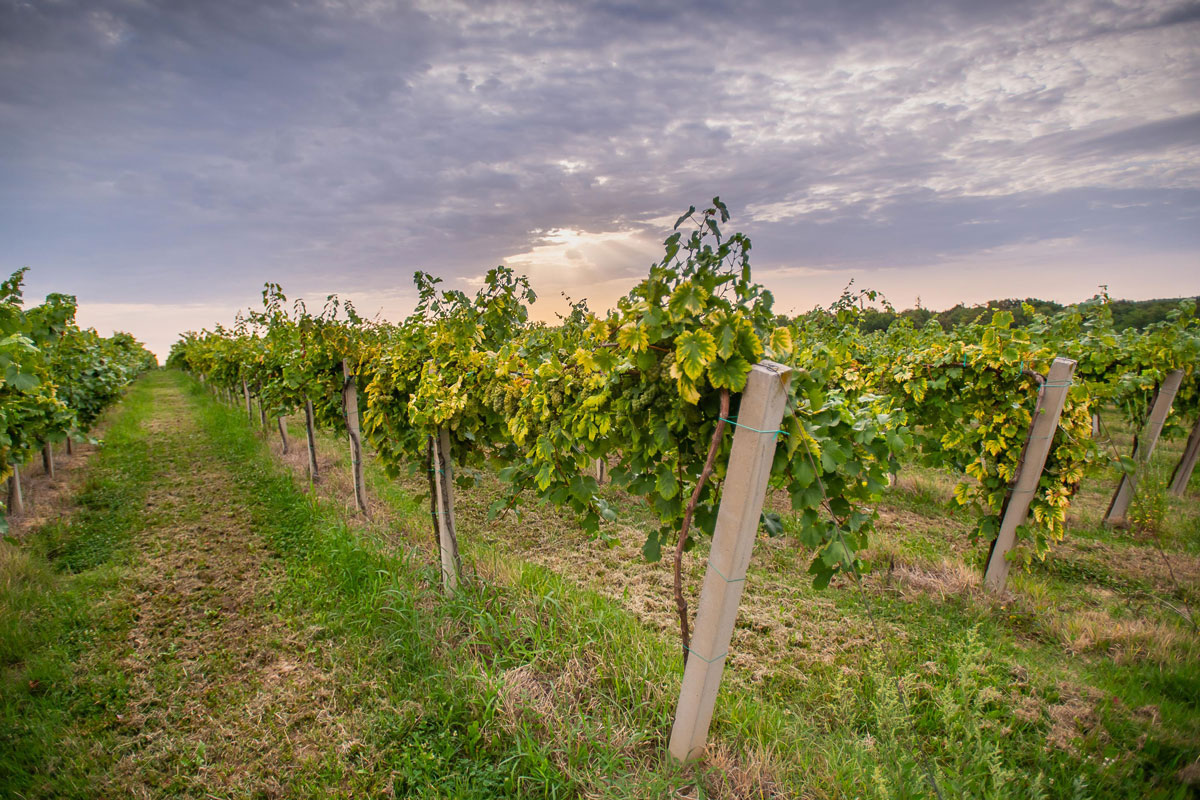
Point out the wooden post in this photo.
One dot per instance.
(350, 404)
(443, 512)
(283, 434)
(48, 459)
(262, 415)
(601, 470)
(1051, 398)
(1095, 426)
(16, 500)
(759, 414)
(1187, 462)
(70, 447)
(1143, 447)
(311, 433)
(249, 407)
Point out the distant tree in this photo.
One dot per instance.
(1126, 313)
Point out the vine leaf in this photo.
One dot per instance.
(683, 217)
(688, 298)
(729, 373)
(652, 549)
(665, 483)
(726, 337)
(633, 337)
(781, 343)
(694, 350)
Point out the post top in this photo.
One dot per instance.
(774, 367)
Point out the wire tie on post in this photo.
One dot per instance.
(706, 660)
(737, 424)
(717, 570)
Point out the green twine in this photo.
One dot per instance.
(715, 569)
(747, 427)
(706, 660)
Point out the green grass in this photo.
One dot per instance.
(555, 671)
(59, 607)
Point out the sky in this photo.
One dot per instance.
(161, 160)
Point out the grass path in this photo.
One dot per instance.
(224, 696)
(198, 686)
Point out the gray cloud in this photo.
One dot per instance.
(159, 152)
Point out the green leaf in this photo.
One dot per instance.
(606, 511)
(834, 554)
(24, 382)
(821, 573)
(802, 472)
(721, 207)
(772, 523)
(672, 244)
(688, 298)
(693, 352)
(652, 549)
(726, 336)
(683, 217)
(665, 483)
(729, 374)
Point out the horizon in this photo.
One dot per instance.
(229, 321)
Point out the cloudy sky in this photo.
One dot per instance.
(162, 159)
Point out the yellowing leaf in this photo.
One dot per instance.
(585, 359)
(688, 298)
(633, 337)
(781, 343)
(693, 352)
(688, 390)
(598, 330)
(726, 338)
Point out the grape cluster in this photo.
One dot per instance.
(554, 394)
(503, 397)
(650, 388)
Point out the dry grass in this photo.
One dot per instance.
(947, 578)
(1141, 562)
(47, 499)
(1072, 717)
(1124, 640)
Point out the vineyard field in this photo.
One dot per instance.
(315, 652)
(1080, 651)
